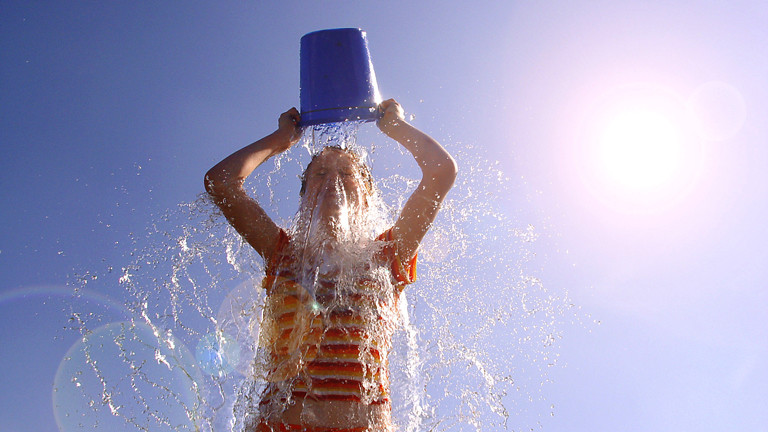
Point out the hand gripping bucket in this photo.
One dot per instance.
(337, 79)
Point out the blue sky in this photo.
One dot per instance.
(111, 113)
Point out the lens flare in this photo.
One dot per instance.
(218, 353)
(97, 382)
(239, 318)
(718, 110)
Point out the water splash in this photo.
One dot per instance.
(480, 328)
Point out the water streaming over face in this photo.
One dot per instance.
(471, 341)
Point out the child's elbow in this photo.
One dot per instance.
(214, 185)
(453, 167)
(449, 170)
(208, 183)
(444, 175)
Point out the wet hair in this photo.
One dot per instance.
(356, 157)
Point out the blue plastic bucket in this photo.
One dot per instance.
(337, 79)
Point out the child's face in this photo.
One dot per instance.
(335, 190)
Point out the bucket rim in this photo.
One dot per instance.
(340, 29)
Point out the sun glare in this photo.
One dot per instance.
(639, 150)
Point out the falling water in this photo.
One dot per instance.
(478, 335)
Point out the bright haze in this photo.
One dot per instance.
(634, 134)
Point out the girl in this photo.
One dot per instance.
(332, 282)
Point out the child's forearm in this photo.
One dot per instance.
(437, 165)
(235, 168)
(438, 171)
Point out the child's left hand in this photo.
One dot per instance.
(392, 115)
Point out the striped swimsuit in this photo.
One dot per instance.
(330, 341)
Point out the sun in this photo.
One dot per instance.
(639, 150)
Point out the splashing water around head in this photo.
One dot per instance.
(476, 336)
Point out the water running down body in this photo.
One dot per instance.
(332, 281)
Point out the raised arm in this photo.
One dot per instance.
(438, 172)
(224, 183)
